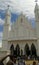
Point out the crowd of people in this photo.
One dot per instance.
(15, 61)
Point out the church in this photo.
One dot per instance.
(20, 32)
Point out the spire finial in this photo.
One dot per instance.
(8, 6)
(36, 1)
(8, 10)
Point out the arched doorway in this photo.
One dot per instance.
(33, 50)
(17, 50)
(12, 50)
(26, 49)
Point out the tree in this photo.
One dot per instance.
(26, 49)
(12, 49)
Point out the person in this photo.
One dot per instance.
(29, 57)
(38, 62)
(21, 62)
(1, 63)
(9, 63)
(15, 61)
(34, 63)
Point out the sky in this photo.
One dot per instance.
(16, 7)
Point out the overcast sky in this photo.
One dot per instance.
(27, 6)
(17, 6)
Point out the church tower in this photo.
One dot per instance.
(6, 29)
(37, 26)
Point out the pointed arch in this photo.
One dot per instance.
(12, 49)
(33, 50)
(17, 50)
(26, 49)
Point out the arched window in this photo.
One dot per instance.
(26, 49)
(12, 49)
(33, 50)
(17, 50)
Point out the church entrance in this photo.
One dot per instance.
(23, 48)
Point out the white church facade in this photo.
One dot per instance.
(21, 32)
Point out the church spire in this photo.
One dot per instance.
(36, 11)
(8, 11)
(36, 6)
(36, 2)
(7, 15)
